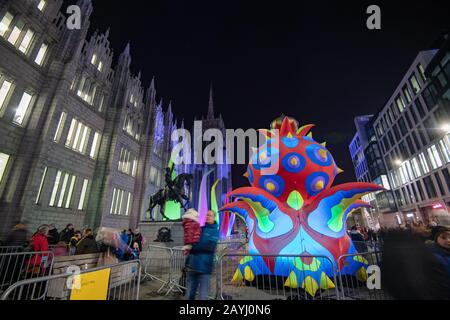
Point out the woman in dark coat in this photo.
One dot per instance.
(87, 244)
(200, 261)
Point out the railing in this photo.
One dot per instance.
(123, 284)
(18, 266)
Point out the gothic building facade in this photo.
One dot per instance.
(82, 141)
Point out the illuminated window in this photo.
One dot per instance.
(100, 66)
(400, 103)
(87, 90)
(415, 168)
(134, 170)
(4, 158)
(60, 127)
(22, 109)
(63, 190)
(41, 186)
(55, 189)
(424, 164)
(422, 72)
(94, 59)
(15, 33)
(435, 159)
(5, 23)
(5, 90)
(78, 136)
(407, 93)
(95, 146)
(445, 149)
(41, 54)
(41, 5)
(102, 103)
(129, 204)
(70, 192)
(83, 194)
(26, 41)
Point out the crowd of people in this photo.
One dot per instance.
(75, 242)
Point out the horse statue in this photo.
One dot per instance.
(173, 191)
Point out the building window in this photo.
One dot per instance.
(420, 108)
(407, 93)
(95, 146)
(55, 189)
(121, 202)
(446, 177)
(439, 183)
(421, 192)
(41, 5)
(101, 103)
(78, 136)
(41, 54)
(63, 194)
(444, 146)
(435, 159)
(16, 32)
(26, 42)
(423, 163)
(127, 162)
(87, 90)
(5, 23)
(59, 129)
(415, 167)
(430, 187)
(5, 92)
(4, 159)
(400, 103)
(41, 186)
(22, 109)
(83, 194)
(422, 72)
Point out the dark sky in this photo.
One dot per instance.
(313, 60)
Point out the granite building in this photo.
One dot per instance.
(80, 137)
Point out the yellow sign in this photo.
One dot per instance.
(93, 286)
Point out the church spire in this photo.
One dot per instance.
(211, 104)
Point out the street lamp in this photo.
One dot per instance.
(446, 127)
(398, 162)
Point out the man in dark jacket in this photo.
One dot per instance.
(17, 237)
(200, 261)
(53, 235)
(87, 244)
(67, 233)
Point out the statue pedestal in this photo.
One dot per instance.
(150, 232)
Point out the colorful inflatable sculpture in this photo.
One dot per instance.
(297, 211)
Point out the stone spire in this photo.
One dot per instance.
(211, 104)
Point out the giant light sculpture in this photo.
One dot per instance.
(297, 211)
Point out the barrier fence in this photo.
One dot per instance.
(166, 265)
(246, 277)
(120, 282)
(11, 249)
(18, 266)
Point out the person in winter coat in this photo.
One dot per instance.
(60, 250)
(67, 234)
(358, 240)
(192, 230)
(441, 246)
(139, 239)
(200, 261)
(17, 237)
(87, 244)
(53, 235)
(73, 242)
(39, 243)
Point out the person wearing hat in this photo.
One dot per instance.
(53, 235)
(441, 245)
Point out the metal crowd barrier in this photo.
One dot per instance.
(11, 249)
(354, 287)
(124, 284)
(18, 266)
(248, 285)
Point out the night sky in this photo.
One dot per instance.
(314, 60)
